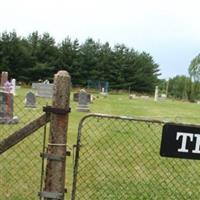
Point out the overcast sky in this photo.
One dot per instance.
(169, 30)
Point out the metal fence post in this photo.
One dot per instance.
(56, 154)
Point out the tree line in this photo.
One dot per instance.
(184, 87)
(181, 87)
(36, 56)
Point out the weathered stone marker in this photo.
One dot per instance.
(6, 105)
(30, 100)
(13, 83)
(156, 94)
(6, 109)
(76, 97)
(83, 101)
(4, 78)
(43, 89)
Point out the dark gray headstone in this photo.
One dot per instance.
(30, 100)
(83, 101)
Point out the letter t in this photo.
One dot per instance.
(184, 140)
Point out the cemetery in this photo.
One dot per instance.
(26, 105)
(99, 103)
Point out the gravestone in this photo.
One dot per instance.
(6, 105)
(163, 97)
(30, 100)
(104, 93)
(43, 89)
(46, 82)
(8, 86)
(132, 96)
(13, 83)
(76, 97)
(35, 86)
(156, 94)
(6, 109)
(83, 101)
(4, 78)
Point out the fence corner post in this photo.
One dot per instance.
(54, 186)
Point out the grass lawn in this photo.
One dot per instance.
(20, 166)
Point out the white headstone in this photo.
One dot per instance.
(46, 82)
(105, 94)
(13, 89)
(43, 89)
(156, 94)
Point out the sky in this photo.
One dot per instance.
(169, 30)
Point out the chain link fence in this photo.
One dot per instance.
(118, 158)
(20, 166)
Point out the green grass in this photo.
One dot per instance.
(20, 166)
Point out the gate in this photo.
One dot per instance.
(118, 158)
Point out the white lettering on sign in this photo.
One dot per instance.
(188, 136)
(197, 146)
(185, 136)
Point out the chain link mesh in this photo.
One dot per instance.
(119, 159)
(20, 166)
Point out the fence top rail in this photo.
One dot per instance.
(139, 119)
(142, 119)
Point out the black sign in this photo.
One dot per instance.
(180, 141)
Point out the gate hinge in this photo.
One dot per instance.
(51, 195)
(59, 111)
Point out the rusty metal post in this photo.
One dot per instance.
(54, 188)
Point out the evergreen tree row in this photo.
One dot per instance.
(39, 57)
